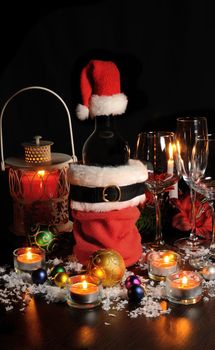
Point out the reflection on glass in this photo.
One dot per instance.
(204, 163)
(187, 129)
(157, 150)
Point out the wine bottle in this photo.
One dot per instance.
(105, 146)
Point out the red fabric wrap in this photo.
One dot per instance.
(114, 229)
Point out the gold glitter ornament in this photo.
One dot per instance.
(60, 279)
(108, 265)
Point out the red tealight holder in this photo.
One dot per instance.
(38, 181)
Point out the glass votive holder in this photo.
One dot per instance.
(162, 263)
(184, 287)
(84, 291)
(208, 272)
(28, 259)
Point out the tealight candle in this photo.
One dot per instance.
(28, 259)
(208, 272)
(184, 287)
(83, 291)
(162, 263)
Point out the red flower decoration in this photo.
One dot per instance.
(182, 221)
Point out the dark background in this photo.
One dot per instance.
(164, 51)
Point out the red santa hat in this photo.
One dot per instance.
(100, 90)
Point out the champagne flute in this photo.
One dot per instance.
(187, 129)
(203, 179)
(158, 152)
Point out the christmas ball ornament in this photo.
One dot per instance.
(61, 279)
(135, 293)
(43, 238)
(108, 265)
(56, 269)
(132, 280)
(39, 276)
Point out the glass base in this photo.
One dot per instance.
(83, 306)
(148, 246)
(187, 245)
(185, 301)
(156, 277)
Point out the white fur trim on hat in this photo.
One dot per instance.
(82, 112)
(107, 105)
(94, 176)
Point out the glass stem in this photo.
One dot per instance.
(212, 245)
(193, 236)
(158, 237)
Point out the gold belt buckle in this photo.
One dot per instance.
(105, 194)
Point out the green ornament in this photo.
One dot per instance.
(53, 245)
(44, 238)
(56, 269)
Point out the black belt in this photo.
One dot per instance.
(110, 193)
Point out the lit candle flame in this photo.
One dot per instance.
(84, 284)
(170, 151)
(41, 173)
(166, 259)
(184, 280)
(29, 255)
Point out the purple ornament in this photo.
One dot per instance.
(39, 276)
(135, 293)
(132, 280)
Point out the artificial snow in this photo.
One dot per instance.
(19, 289)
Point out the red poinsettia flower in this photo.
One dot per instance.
(182, 221)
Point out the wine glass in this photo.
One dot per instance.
(203, 177)
(187, 129)
(157, 150)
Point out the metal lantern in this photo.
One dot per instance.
(38, 181)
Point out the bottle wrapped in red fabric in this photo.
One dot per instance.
(107, 188)
(113, 229)
(105, 215)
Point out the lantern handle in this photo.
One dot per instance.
(74, 158)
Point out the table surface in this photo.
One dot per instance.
(58, 326)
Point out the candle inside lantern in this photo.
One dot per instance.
(170, 167)
(28, 259)
(39, 185)
(83, 291)
(184, 287)
(162, 263)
